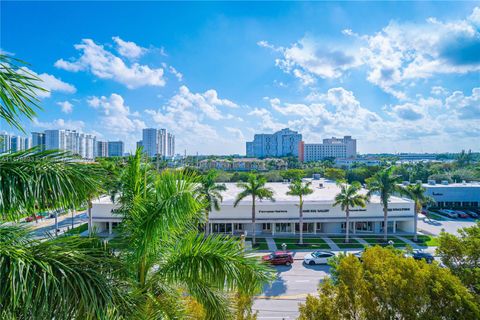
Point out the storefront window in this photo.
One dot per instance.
(283, 227)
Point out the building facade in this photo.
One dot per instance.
(345, 148)
(282, 143)
(115, 148)
(5, 142)
(77, 143)
(158, 142)
(19, 143)
(38, 140)
(281, 217)
(454, 195)
(101, 149)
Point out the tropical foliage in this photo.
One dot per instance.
(461, 254)
(349, 197)
(211, 192)
(417, 193)
(256, 189)
(300, 189)
(385, 285)
(384, 184)
(167, 258)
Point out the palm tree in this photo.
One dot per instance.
(300, 189)
(169, 262)
(61, 278)
(255, 188)
(211, 191)
(347, 198)
(385, 183)
(417, 193)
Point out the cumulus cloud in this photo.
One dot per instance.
(402, 53)
(105, 65)
(307, 59)
(408, 111)
(116, 117)
(467, 107)
(59, 124)
(50, 83)
(128, 49)
(237, 133)
(66, 106)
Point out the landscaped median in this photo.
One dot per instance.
(308, 243)
(352, 244)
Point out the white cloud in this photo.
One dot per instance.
(66, 106)
(408, 111)
(50, 83)
(128, 49)
(402, 53)
(105, 65)
(116, 118)
(59, 124)
(237, 133)
(466, 107)
(307, 59)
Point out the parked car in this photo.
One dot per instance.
(279, 257)
(317, 257)
(31, 218)
(448, 213)
(358, 254)
(421, 255)
(461, 214)
(472, 214)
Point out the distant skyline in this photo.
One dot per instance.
(398, 77)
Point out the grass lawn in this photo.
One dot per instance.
(352, 243)
(308, 243)
(77, 230)
(424, 240)
(260, 245)
(373, 240)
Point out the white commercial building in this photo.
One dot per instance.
(345, 147)
(281, 216)
(450, 195)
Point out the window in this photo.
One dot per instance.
(283, 227)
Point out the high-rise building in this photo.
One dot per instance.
(5, 142)
(158, 142)
(339, 148)
(38, 140)
(279, 144)
(19, 143)
(70, 140)
(115, 148)
(101, 149)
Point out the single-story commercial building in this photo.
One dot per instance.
(281, 216)
(450, 195)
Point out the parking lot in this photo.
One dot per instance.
(280, 299)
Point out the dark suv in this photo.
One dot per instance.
(279, 257)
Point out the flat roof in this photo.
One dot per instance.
(326, 193)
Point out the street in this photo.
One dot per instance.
(46, 227)
(280, 299)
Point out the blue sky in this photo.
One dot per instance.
(400, 77)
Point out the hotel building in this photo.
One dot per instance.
(281, 217)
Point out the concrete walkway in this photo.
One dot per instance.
(272, 246)
(409, 242)
(330, 242)
(361, 241)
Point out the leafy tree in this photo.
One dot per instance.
(335, 174)
(417, 193)
(464, 158)
(385, 285)
(462, 255)
(385, 184)
(254, 188)
(211, 192)
(293, 174)
(300, 189)
(349, 198)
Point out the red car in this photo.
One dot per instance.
(279, 257)
(31, 218)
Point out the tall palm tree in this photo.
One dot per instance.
(385, 183)
(61, 278)
(417, 193)
(347, 198)
(255, 188)
(168, 260)
(211, 191)
(300, 189)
